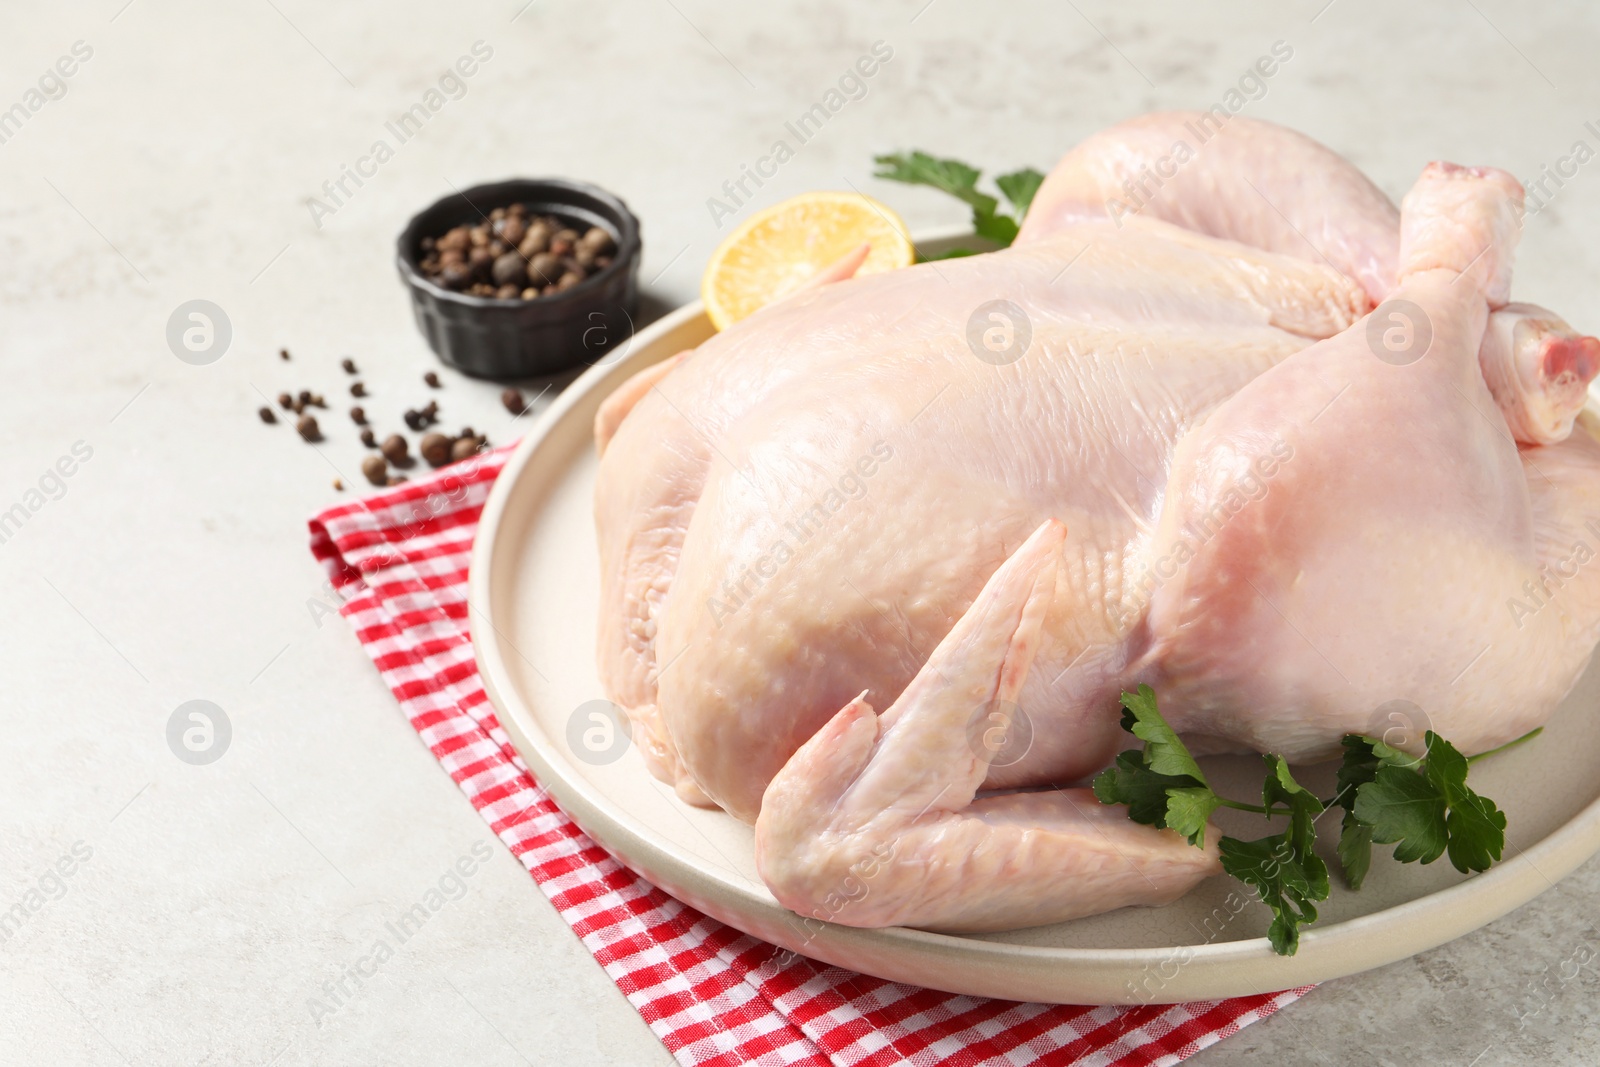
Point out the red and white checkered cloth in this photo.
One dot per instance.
(712, 994)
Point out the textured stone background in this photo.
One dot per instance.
(179, 165)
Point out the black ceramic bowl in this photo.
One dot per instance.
(490, 338)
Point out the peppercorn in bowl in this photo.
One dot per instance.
(523, 277)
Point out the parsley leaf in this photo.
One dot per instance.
(1283, 869)
(1161, 785)
(1355, 837)
(1477, 832)
(947, 175)
(1189, 812)
(1164, 753)
(961, 181)
(1128, 781)
(1269, 867)
(1426, 809)
(1405, 810)
(1355, 850)
(1019, 187)
(1001, 229)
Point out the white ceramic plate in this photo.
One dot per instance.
(534, 590)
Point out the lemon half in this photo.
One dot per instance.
(778, 249)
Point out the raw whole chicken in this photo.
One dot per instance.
(1170, 443)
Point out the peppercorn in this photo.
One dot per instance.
(511, 230)
(358, 415)
(544, 268)
(283, 353)
(285, 401)
(396, 479)
(358, 388)
(536, 240)
(509, 268)
(464, 448)
(394, 450)
(338, 483)
(511, 399)
(376, 470)
(348, 364)
(568, 280)
(307, 428)
(369, 438)
(267, 416)
(597, 240)
(435, 448)
(564, 242)
(431, 379)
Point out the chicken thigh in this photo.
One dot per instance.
(1163, 444)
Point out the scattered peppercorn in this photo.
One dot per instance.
(283, 353)
(358, 415)
(395, 451)
(465, 447)
(369, 438)
(285, 401)
(431, 379)
(304, 398)
(338, 483)
(307, 428)
(267, 416)
(348, 364)
(396, 479)
(376, 470)
(358, 389)
(435, 448)
(511, 398)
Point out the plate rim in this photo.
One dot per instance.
(1326, 952)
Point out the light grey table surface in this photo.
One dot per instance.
(181, 162)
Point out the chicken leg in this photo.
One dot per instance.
(1369, 477)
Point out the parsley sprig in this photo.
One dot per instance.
(961, 181)
(1421, 805)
